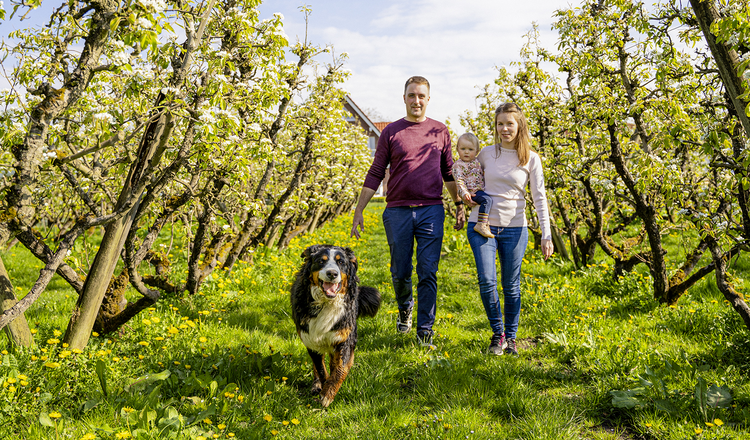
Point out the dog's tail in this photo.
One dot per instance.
(369, 301)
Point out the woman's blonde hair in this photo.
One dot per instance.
(523, 139)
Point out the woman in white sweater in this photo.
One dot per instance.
(509, 167)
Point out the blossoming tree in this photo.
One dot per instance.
(146, 114)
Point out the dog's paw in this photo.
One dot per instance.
(316, 387)
(325, 401)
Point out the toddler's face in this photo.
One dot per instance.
(466, 150)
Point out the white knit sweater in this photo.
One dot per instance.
(506, 182)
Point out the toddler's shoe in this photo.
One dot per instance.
(484, 230)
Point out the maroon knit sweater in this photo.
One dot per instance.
(419, 154)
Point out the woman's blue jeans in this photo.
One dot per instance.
(402, 226)
(510, 245)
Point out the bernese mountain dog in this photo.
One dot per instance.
(326, 301)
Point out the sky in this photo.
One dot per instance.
(456, 45)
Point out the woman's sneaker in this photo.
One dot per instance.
(510, 347)
(404, 321)
(484, 230)
(497, 343)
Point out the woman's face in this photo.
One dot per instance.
(507, 129)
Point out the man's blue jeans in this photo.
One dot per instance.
(402, 226)
(510, 245)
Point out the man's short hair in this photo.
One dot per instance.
(417, 80)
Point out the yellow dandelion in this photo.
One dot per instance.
(221, 426)
(285, 423)
(274, 432)
(718, 422)
(202, 339)
(709, 424)
(295, 422)
(207, 421)
(53, 341)
(698, 430)
(143, 343)
(268, 393)
(89, 436)
(55, 415)
(267, 418)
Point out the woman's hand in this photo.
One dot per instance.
(547, 248)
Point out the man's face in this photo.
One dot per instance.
(416, 98)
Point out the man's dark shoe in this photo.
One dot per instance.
(510, 347)
(424, 338)
(497, 343)
(404, 321)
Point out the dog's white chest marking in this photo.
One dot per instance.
(320, 337)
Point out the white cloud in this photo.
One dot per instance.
(455, 45)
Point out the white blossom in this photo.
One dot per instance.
(104, 117)
(144, 23)
(153, 5)
(120, 58)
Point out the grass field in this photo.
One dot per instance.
(598, 359)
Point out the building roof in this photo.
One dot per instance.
(363, 120)
(381, 125)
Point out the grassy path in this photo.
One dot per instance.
(228, 364)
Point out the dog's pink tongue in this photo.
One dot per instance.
(330, 288)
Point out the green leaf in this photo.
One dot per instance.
(44, 420)
(90, 404)
(718, 397)
(147, 379)
(101, 373)
(114, 23)
(627, 398)
(665, 405)
(700, 395)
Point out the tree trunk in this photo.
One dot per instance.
(725, 57)
(18, 330)
(647, 213)
(724, 284)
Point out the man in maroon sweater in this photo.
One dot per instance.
(418, 150)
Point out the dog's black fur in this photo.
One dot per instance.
(326, 301)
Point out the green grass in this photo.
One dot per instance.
(227, 363)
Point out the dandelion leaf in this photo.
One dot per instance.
(665, 405)
(718, 397)
(627, 398)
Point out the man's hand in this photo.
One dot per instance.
(460, 218)
(547, 248)
(358, 221)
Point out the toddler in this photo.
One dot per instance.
(470, 180)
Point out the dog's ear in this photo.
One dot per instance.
(352, 258)
(310, 250)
